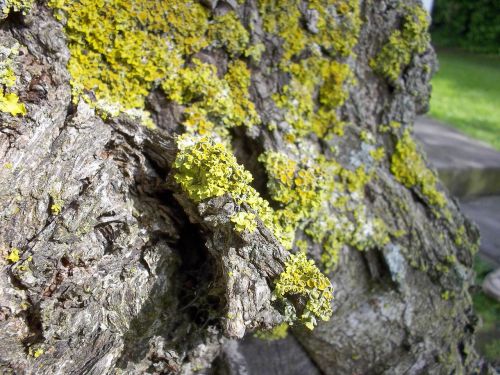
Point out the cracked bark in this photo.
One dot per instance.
(133, 278)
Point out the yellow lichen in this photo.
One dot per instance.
(36, 352)
(121, 49)
(409, 168)
(318, 81)
(13, 256)
(244, 221)
(9, 101)
(308, 190)
(57, 203)
(238, 79)
(277, 333)
(228, 32)
(303, 279)
(397, 53)
(15, 6)
(205, 169)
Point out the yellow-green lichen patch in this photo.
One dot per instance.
(212, 104)
(318, 79)
(333, 25)
(409, 168)
(325, 200)
(238, 79)
(13, 255)
(228, 32)
(15, 6)
(304, 112)
(56, 203)
(397, 53)
(205, 169)
(277, 333)
(299, 189)
(9, 101)
(244, 221)
(36, 352)
(121, 49)
(302, 279)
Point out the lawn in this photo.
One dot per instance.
(466, 94)
(488, 310)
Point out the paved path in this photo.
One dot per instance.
(471, 171)
(466, 166)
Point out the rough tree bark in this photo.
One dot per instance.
(109, 265)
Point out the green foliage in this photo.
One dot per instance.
(303, 279)
(465, 94)
(473, 25)
(397, 53)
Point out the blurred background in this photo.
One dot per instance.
(461, 135)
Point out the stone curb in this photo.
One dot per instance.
(468, 168)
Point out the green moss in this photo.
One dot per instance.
(409, 168)
(9, 101)
(277, 333)
(303, 279)
(397, 53)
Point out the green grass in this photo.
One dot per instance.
(488, 335)
(466, 94)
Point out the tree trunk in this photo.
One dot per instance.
(129, 250)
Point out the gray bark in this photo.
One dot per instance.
(131, 277)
